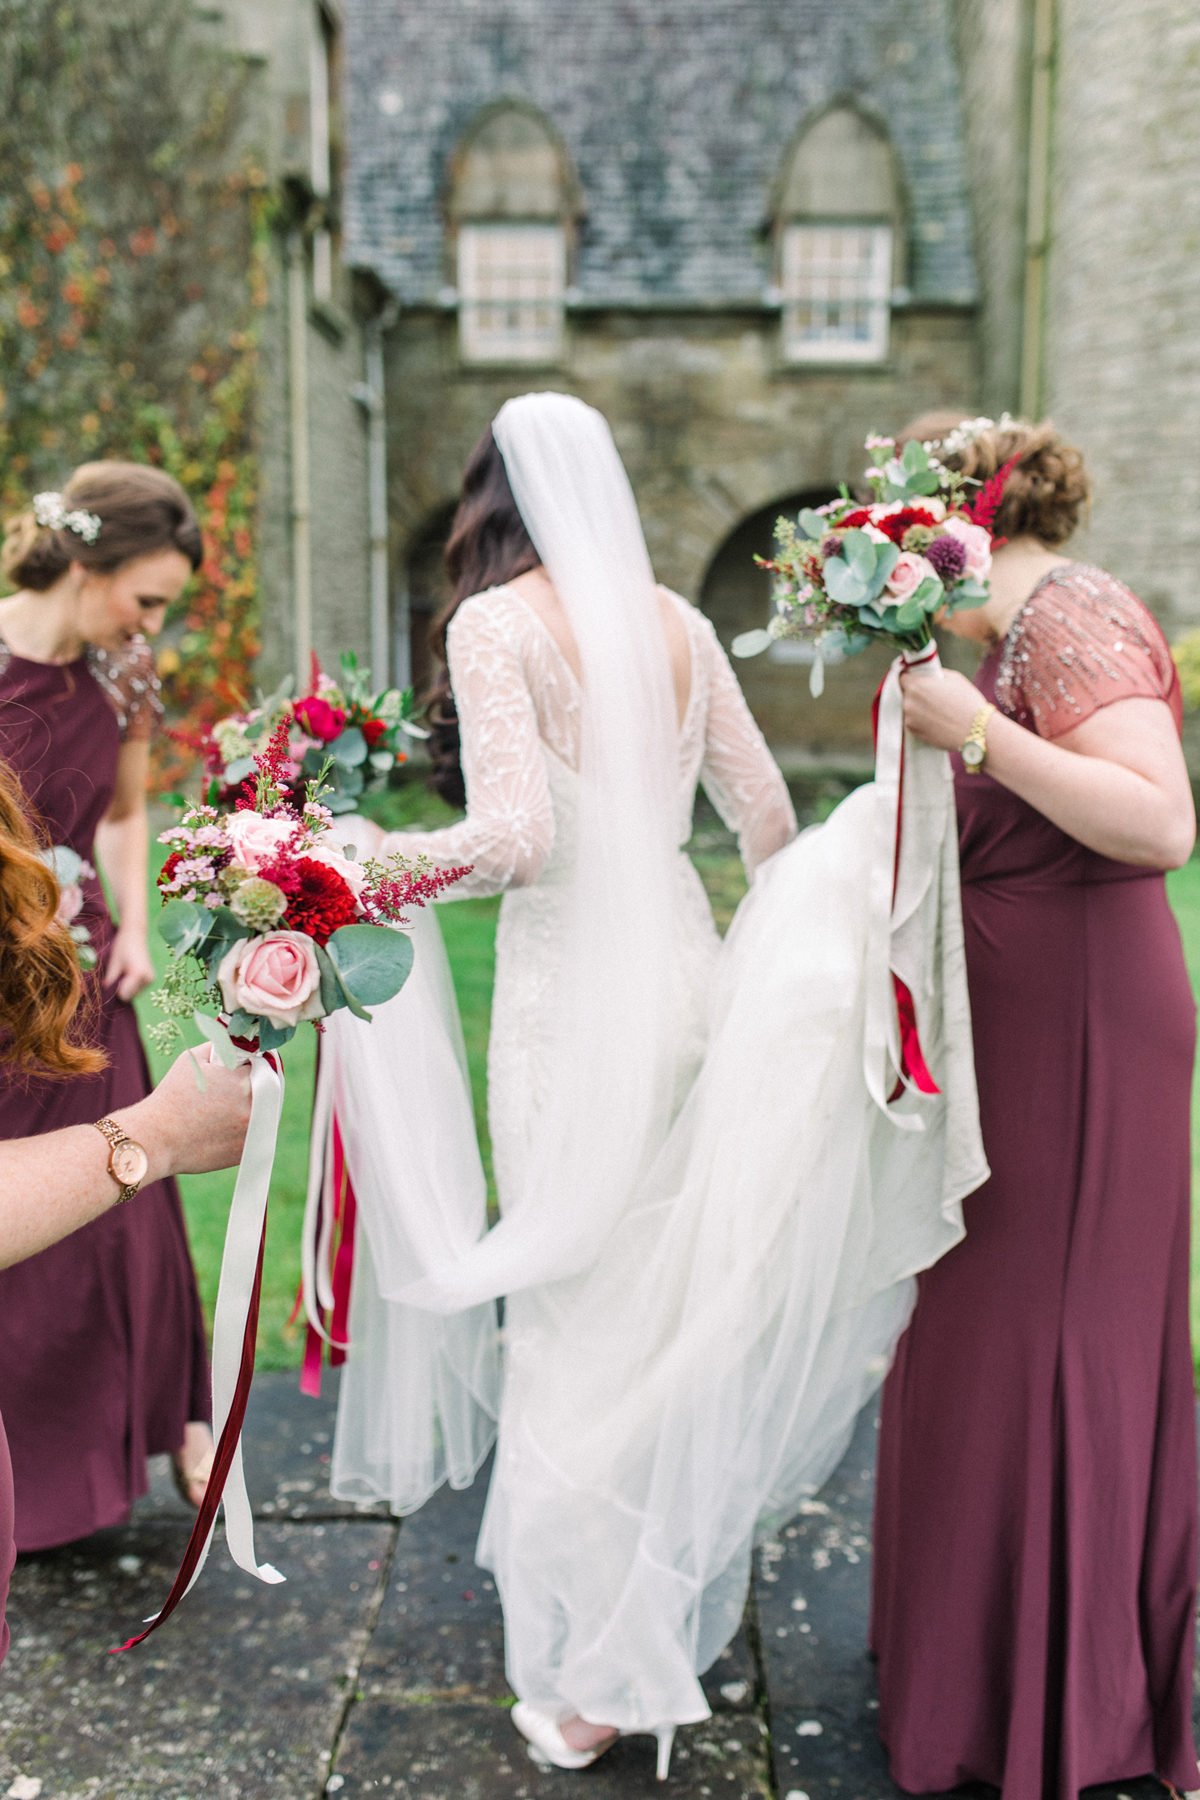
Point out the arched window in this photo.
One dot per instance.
(512, 200)
(837, 220)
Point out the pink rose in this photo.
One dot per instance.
(910, 571)
(318, 718)
(275, 975)
(70, 903)
(350, 872)
(257, 840)
(976, 541)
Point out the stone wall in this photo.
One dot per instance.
(712, 429)
(1122, 343)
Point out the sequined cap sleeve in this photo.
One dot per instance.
(129, 682)
(1081, 642)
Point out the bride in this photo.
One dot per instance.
(706, 1259)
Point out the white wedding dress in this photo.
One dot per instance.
(717, 1177)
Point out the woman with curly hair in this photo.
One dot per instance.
(102, 1352)
(53, 1185)
(1036, 1516)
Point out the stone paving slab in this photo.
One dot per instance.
(241, 1694)
(287, 1445)
(466, 1752)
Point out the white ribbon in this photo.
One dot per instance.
(881, 1035)
(243, 1236)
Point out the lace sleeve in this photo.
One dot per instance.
(739, 774)
(508, 832)
(129, 682)
(1081, 642)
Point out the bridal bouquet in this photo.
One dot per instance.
(360, 735)
(269, 924)
(847, 575)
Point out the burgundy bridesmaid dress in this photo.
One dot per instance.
(102, 1352)
(1036, 1518)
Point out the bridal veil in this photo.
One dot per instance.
(696, 1306)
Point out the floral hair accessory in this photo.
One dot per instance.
(50, 510)
(967, 432)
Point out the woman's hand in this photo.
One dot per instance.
(187, 1130)
(940, 706)
(129, 963)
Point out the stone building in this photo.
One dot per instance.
(748, 234)
(318, 341)
(742, 232)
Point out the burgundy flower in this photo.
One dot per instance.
(320, 903)
(949, 557)
(373, 730)
(319, 719)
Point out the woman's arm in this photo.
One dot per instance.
(1117, 782)
(508, 833)
(51, 1185)
(739, 774)
(123, 846)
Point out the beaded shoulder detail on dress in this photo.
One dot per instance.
(129, 682)
(1080, 642)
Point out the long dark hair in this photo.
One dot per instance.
(488, 545)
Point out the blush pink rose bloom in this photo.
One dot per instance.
(910, 571)
(976, 541)
(350, 872)
(257, 840)
(275, 975)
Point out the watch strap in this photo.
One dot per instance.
(108, 1128)
(976, 739)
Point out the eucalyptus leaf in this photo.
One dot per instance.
(930, 593)
(227, 925)
(923, 484)
(240, 769)
(381, 761)
(812, 524)
(182, 925)
(753, 643)
(218, 1037)
(372, 963)
(911, 614)
(349, 749)
(273, 1037)
(243, 1024)
(843, 584)
(413, 731)
(816, 676)
(960, 602)
(331, 987)
(340, 803)
(914, 457)
(856, 645)
(859, 552)
(887, 556)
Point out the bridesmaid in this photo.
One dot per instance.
(102, 1352)
(1036, 1520)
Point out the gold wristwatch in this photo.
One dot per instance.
(974, 750)
(127, 1161)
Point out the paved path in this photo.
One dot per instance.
(378, 1668)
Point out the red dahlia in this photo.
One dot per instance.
(893, 525)
(323, 903)
(168, 868)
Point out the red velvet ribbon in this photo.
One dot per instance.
(913, 1066)
(345, 1215)
(221, 1463)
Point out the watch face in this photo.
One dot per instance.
(972, 755)
(129, 1164)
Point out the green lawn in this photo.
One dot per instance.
(469, 929)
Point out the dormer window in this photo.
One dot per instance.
(512, 204)
(838, 237)
(511, 281)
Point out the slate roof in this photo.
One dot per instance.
(678, 114)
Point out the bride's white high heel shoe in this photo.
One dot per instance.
(547, 1742)
(664, 1735)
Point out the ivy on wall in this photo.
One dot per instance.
(134, 246)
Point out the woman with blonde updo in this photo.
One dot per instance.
(102, 1353)
(1036, 1517)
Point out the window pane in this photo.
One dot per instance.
(510, 284)
(836, 282)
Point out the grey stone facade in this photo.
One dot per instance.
(677, 121)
